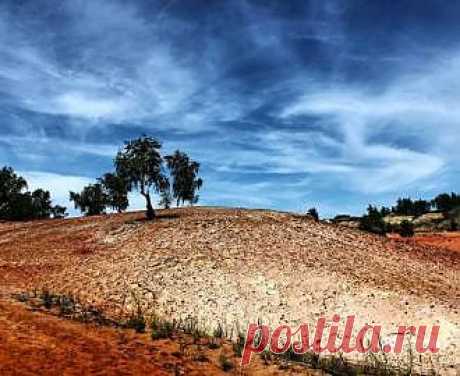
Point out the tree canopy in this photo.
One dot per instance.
(140, 164)
(116, 190)
(17, 203)
(373, 221)
(313, 213)
(184, 176)
(92, 200)
(446, 202)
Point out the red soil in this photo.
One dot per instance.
(38, 343)
(450, 241)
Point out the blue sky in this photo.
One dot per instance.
(286, 104)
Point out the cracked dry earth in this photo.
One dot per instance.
(231, 267)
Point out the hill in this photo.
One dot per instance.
(229, 267)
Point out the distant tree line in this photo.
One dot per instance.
(19, 204)
(373, 220)
(139, 166)
(443, 202)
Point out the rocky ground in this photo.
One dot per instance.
(229, 267)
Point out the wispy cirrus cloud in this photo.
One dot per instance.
(400, 135)
(284, 104)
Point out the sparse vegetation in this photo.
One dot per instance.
(406, 229)
(136, 322)
(225, 363)
(373, 221)
(66, 306)
(312, 212)
(161, 329)
(335, 365)
(238, 345)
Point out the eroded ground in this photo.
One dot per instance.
(230, 267)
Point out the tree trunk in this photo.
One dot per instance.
(150, 211)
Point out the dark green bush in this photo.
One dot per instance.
(136, 322)
(406, 229)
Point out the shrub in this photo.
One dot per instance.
(373, 221)
(225, 363)
(136, 322)
(238, 346)
(47, 299)
(313, 213)
(218, 332)
(406, 229)
(161, 329)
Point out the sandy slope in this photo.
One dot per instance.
(38, 343)
(232, 266)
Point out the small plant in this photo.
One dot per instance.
(217, 335)
(337, 365)
(292, 356)
(312, 359)
(66, 305)
(136, 322)
(238, 346)
(47, 299)
(266, 356)
(161, 329)
(137, 319)
(225, 363)
(218, 332)
(213, 344)
(22, 297)
(191, 327)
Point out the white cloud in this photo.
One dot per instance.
(111, 64)
(418, 103)
(38, 146)
(80, 105)
(58, 185)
